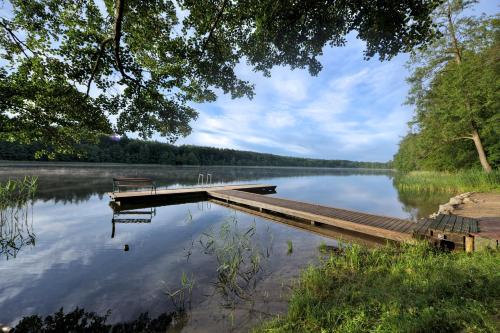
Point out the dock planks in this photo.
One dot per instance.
(373, 225)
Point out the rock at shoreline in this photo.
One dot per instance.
(449, 207)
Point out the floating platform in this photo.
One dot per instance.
(184, 194)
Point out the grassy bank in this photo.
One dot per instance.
(461, 181)
(409, 289)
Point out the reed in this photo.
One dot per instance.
(16, 227)
(16, 192)
(181, 297)
(454, 182)
(239, 259)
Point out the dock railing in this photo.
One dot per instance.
(204, 180)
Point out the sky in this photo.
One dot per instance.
(354, 109)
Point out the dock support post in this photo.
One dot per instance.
(469, 244)
(313, 222)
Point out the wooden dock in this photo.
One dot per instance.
(183, 194)
(448, 231)
(373, 225)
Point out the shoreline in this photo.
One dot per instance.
(9, 163)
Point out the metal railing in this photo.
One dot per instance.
(204, 180)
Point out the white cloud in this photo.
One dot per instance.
(352, 110)
(279, 119)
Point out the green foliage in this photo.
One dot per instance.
(413, 288)
(454, 87)
(137, 151)
(417, 153)
(69, 67)
(462, 181)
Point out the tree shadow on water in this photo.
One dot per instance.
(79, 320)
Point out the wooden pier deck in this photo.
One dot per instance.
(448, 231)
(372, 225)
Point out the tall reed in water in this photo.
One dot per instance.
(16, 230)
(18, 191)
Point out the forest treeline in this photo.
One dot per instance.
(127, 150)
(454, 87)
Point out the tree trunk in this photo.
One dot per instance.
(451, 28)
(480, 151)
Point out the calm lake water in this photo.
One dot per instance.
(63, 253)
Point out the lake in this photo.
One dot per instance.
(226, 269)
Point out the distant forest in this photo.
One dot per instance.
(128, 150)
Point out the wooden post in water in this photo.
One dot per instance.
(469, 244)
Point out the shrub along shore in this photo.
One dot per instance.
(410, 288)
(454, 182)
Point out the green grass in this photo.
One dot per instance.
(413, 288)
(461, 181)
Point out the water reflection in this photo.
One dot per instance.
(131, 216)
(16, 223)
(80, 320)
(16, 229)
(76, 183)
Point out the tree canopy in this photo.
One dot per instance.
(125, 150)
(74, 69)
(454, 87)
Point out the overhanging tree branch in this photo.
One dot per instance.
(102, 47)
(16, 39)
(214, 25)
(119, 6)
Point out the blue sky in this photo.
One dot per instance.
(352, 110)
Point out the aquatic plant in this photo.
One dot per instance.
(239, 259)
(289, 245)
(17, 192)
(181, 297)
(16, 227)
(407, 288)
(454, 182)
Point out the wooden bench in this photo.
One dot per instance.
(120, 184)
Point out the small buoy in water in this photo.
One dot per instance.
(126, 248)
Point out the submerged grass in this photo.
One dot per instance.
(461, 181)
(412, 288)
